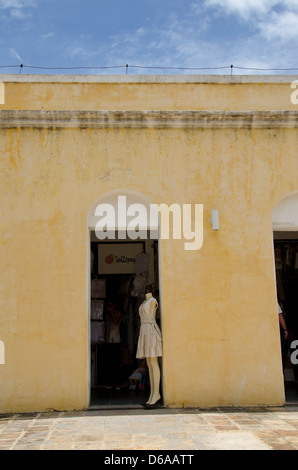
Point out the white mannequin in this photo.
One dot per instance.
(154, 371)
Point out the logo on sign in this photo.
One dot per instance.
(114, 259)
(110, 259)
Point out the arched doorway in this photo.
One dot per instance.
(285, 235)
(123, 264)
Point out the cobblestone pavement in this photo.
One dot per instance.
(162, 429)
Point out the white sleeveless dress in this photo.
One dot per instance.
(150, 340)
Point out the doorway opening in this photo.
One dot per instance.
(286, 266)
(121, 272)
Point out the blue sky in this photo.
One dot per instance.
(179, 34)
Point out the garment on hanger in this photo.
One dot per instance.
(97, 309)
(114, 333)
(142, 260)
(150, 340)
(140, 279)
(139, 285)
(98, 288)
(97, 332)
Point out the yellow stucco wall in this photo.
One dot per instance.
(219, 320)
(150, 93)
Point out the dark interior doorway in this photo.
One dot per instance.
(286, 265)
(118, 288)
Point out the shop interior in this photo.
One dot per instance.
(122, 272)
(286, 265)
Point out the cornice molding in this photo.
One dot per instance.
(149, 79)
(41, 119)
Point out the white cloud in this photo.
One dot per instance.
(18, 13)
(274, 19)
(282, 26)
(14, 53)
(177, 42)
(244, 8)
(290, 4)
(80, 51)
(47, 35)
(185, 39)
(4, 4)
(16, 7)
(187, 42)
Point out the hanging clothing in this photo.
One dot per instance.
(97, 332)
(142, 260)
(150, 340)
(140, 280)
(97, 309)
(98, 288)
(139, 286)
(114, 333)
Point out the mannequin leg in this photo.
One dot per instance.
(154, 374)
(150, 370)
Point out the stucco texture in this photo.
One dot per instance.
(219, 315)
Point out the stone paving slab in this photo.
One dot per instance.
(161, 429)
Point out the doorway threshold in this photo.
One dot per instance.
(94, 407)
(112, 398)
